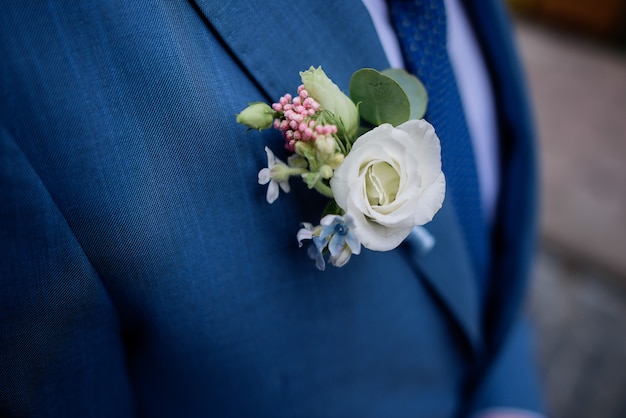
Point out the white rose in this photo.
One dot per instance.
(390, 182)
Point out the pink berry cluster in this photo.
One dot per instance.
(298, 121)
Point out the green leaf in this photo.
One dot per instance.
(414, 89)
(332, 209)
(381, 99)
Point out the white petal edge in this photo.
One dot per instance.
(272, 192)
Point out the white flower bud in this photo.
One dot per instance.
(326, 172)
(257, 115)
(331, 99)
(304, 148)
(326, 145)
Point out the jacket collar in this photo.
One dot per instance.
(273, 49)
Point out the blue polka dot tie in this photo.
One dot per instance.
(421, 29)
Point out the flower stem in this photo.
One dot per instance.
(294, 171)
(323, 189)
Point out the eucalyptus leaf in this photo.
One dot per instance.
(414, 89)
(362, 130)
(381, 99)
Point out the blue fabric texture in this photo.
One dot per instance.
(142, 272)
(505, 384)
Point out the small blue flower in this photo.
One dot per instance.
(316, 255)
(335, 234)
(307, 232)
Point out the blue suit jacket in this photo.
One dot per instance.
(142, 271)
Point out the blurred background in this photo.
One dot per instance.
(574, 53)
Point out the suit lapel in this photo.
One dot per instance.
(447, 268)
(273, 49)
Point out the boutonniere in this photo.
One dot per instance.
(371, 154)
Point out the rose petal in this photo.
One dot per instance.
(428, 150)
(431, 201)
(375, 236)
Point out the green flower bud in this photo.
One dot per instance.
(331, 99)
(305, 149)
(336, 160)
(297, 161)
(326, 145)
(257, 115)
(326, 172)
